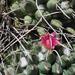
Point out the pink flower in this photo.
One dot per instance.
(49, 40)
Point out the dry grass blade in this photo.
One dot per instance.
(10, 12)
(11, 54)
(14, 41)
(25, 50)
(58, 56)
(44, 18)
(53, 13)
(20, 35)
(66, 40)
(8, 45)
(63, 11)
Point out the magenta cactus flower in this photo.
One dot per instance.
(49, 41)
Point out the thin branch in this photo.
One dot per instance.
(25, 50)
(44, 18)
(63, 11)
(23, 35)
(8, 45)
(58, 56)
(20, 35)
(10, 12)
(52, 14)
(11, 54)
(66, 40)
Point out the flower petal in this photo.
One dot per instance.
(49, 41)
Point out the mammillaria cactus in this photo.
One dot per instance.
(71, 30)
(56, 69)
(51, 58)
(44, 67)
(65, 5)
(30, 7)
(73, 4)
(38, 15)
(56, 23)
(68, 11)
(41, 30)
(18, 8)
(32, 70)
(65, 61)
(51, 4)
(37, 37)
(27, 20)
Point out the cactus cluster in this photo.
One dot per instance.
(37, 37)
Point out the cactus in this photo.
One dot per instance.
(30, 7)
(27, 20)
(72, 69)
(41, 30)
(56, 23)
(65, 61)
(44, 67)
(56, 69)
(70, 30)
(18, 9)
(51, 4)
(68, 11)
(65, 72)
(32, 70)
(65, 5)
(51, 58)
(42, 74)
(26, 31)
(38, 15)
(72, 57)
(15, 6)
